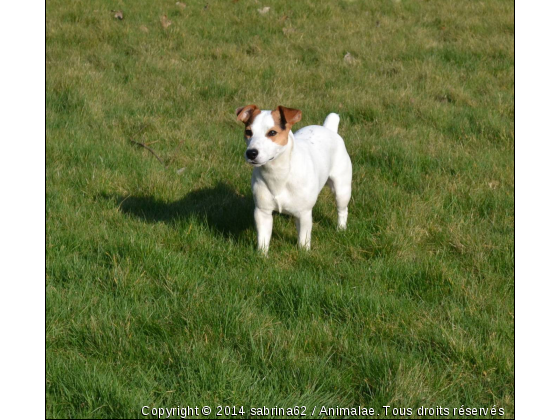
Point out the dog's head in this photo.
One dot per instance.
(266, 132)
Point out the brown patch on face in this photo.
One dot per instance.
(281, 136)
(284, 118)
(252, 118)
(247, 114)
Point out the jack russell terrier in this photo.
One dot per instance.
(292, 169)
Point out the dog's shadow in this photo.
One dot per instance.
(227, 212)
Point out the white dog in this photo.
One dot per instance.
(292, 169)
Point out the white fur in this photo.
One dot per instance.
(289, 178)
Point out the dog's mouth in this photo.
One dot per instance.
(256, 163)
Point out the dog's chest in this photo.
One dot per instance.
(283, 203)
(280, 201)
(290, 199)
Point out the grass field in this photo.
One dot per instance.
(156, 294)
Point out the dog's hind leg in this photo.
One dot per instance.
(341, 186)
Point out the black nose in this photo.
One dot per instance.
(252, 153)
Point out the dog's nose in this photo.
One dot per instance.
(252, 154)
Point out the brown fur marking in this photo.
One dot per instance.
(247, 113)
(284, 119)
(282, 137)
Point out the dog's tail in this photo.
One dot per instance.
(331, 122)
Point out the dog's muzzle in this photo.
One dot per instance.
(252, 154)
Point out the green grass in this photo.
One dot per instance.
(156, 294)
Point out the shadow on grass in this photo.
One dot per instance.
(227, 213)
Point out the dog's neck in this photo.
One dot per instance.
(275, 173)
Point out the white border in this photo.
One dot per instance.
(537, 198)
(22, 211)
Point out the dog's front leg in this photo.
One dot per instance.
(263, 220)
(304, 223)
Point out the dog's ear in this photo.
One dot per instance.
(245, 112)
(289, 115)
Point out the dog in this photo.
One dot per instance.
(290, 170)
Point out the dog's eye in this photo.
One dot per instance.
(248, 133)
(272, 133)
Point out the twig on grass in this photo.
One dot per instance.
(150, 150)
(145, 146)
